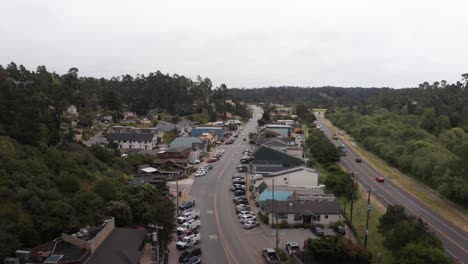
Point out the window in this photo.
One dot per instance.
(282, 216)
(297, 218)
(326, 216)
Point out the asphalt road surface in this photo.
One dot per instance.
(453, 238)
(224, 240)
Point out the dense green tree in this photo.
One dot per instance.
(421, 254)
(120, 211)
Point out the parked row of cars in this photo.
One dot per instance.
(187, 233)
(246, 216)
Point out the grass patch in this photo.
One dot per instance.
(423, 193)
(199, 117)
(375, 239)
(321, 110)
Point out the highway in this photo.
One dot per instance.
(224, 240)
(453, 238)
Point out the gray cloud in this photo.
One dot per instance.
(243, 43)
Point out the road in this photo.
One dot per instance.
(453, 238)
(224, 240)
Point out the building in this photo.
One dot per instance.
(214, 130)
(323, 210)
(91, 245)
(283, 130)
(175, 153)
(132, 140)
(267, 160)
(293, 177)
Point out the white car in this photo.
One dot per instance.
(242, 214)
(200, 173)
(250, 224)
(246, 218)
(194, 161)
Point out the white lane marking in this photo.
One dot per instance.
(209, 211)
(213, 237)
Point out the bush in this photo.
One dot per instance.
(264, 218)
(283, 224)
(282, 254)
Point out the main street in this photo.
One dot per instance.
(224, 240)
(453, 238)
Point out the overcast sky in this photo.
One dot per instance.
(243, 43)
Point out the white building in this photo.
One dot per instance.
(296, 177)
(137, 141)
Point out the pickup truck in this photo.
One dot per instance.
(189, 225)
(270, 256)
(292, 247)
(188, 215)
(189, 241)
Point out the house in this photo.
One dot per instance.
(132, 140)
(91, 245)
(265, 157)
(181, 128)
(129, 115)
(322, 210)
(171, 168)
(293, 177)
(208, 138)
(214, 130)
(106, 119)
(288, 122)
(197, 147)
(175, 153)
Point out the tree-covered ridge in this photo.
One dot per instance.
(31, 102)
(44, 192)
(440, 158)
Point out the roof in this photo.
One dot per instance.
(262, 187)
(198, 131)
(316, 206)
(279, 195)
(142, 179)
(149, 169)
(266, 153)
(130, 136)
(123, 245)
(167, 127)
(273, 142)
(175, 161)
(186, 142)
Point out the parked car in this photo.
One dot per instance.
(241, 168)
(242, 207)
(194, 161)
(188, 241)
(213, 159)
(200, 173)
(270, 256)
(246, 218)
(187, 232)
(189, 253)
(238, 181)
(245, 161)
(318, 231)
(245, 213)
(208, 167)
(239, 192)
(250, 224)
(292, 247)
(187, 215)
(380, 179)
(240, 200)
(193, 260)
(236, 187)
(187, 205)
(189, 225)
(340, 230)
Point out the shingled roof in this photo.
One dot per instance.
(316, 206)
(130, 136)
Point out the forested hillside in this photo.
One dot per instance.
(422, 131)
(50, 184)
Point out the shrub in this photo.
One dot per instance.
(283, 224)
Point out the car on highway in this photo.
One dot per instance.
(187, 205)
(380, 179)
(292, 247)
(358, 159)
(189, 253)
(250, 224)
(239, 192)
(246, 218)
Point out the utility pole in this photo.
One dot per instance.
(275, 215)
(352, 197)
(156, 238)
(369, 208)
(177, 194)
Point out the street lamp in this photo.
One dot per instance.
(155, 237)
